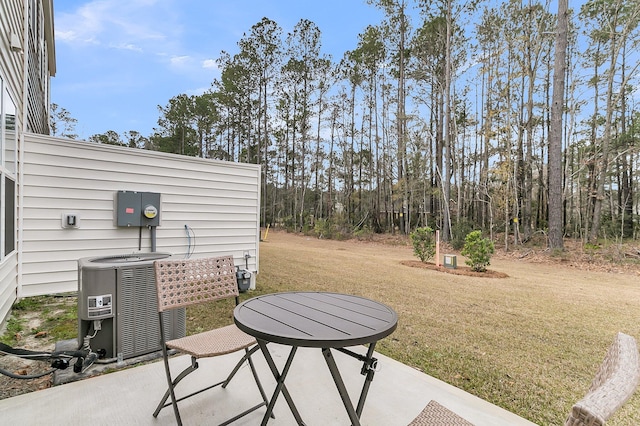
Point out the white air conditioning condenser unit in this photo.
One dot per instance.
(118, 306)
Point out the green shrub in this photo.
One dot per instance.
(322, 228)
(332, 229)
(478, 251)
(459, 232)
(364, 234)
(590, 247)
(424, 243)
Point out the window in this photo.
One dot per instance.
(10, 140)
(8, 167)
(9, 215)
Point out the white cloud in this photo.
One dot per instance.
(65, 35)
(84, 24)
(197, 91)
(210, 64)
(73, 37)
(155, 30)
(179, 60)
(127, 46)
(129, 24)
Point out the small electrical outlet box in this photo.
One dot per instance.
(70, 220)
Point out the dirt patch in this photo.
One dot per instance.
(460, 270)
(37, 321)
(12, 387)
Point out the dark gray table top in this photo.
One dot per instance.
(315, 319)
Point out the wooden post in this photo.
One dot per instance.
(437, 248)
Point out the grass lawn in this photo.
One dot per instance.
(530, 343)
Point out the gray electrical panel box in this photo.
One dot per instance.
(137, 208)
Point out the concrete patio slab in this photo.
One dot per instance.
(129, 397)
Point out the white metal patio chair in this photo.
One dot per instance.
(186, 282)
(615, 382)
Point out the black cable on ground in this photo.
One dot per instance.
(26, 377)
(24, 353)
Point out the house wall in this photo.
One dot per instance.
(11, 74)
(8, 285)
(41, 65)
(218, 200)
(12, 63)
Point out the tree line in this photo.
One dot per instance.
(442, 115)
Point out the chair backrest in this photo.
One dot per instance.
(613, 385)
(187, 282)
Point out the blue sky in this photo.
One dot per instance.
(117, 60)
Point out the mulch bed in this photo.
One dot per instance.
(460, 270)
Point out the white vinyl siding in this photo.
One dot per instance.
(40, 53)
(8, 284)
(30, 102)
(11, 83)
(11, 63)
(218, 200)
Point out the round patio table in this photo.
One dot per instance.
(317, 320)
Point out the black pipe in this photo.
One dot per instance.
(153, 238)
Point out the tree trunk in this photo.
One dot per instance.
(556, 230)
(401, 127)
(446, 222)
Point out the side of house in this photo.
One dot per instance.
(11, 17)
(27, 61)
(208, 207)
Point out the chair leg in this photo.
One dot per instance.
(172, 384)
(170, 393)
(247, 357)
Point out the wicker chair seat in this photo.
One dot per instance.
(435, 414)
(220, 341)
